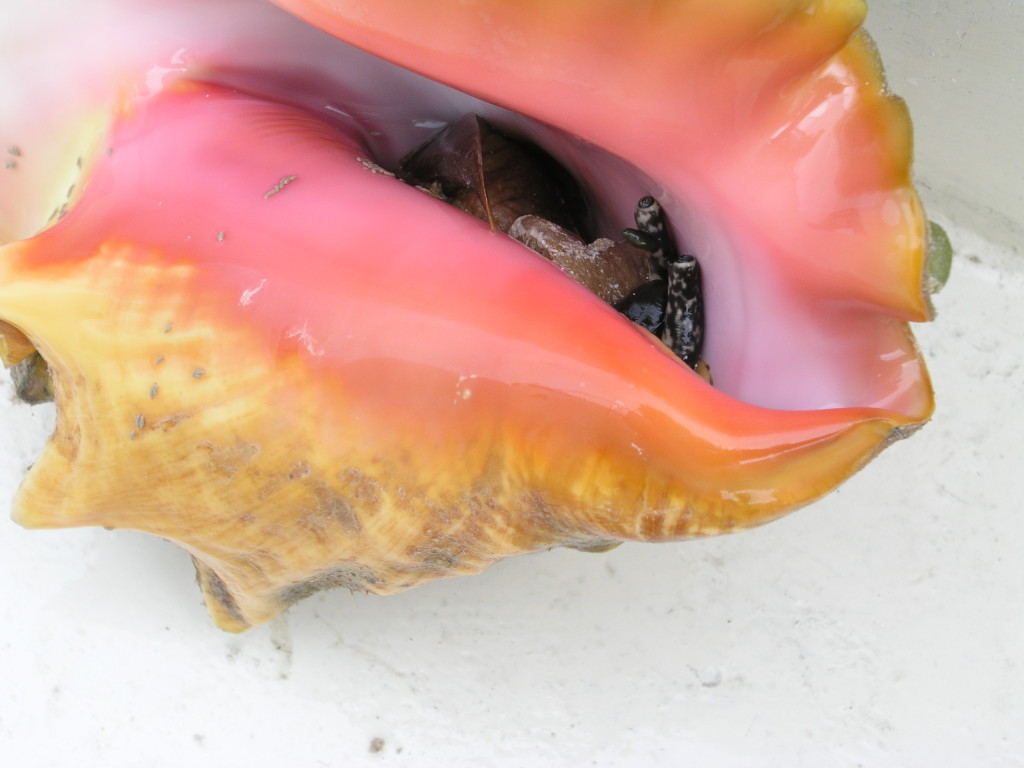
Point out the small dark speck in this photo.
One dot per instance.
(70, 190)
(78, 162)
(159, 359)
(15, 150)
(168, 327)
(10, 164)
(198, 373)
(198, 738)
(153, 390)
(376, 745)
(220, 236)
(131, 435)
(140, 421)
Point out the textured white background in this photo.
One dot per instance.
(880, 627)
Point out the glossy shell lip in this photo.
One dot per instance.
(565, 437)
(805, 291)
(769, 135)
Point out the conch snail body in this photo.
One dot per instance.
(309, 374)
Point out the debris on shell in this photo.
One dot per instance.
(609, 270)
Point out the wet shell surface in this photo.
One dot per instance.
(311, 375)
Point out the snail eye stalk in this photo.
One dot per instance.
(671, 307)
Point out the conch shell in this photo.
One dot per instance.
(310, 375)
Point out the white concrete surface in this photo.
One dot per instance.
(960, 67)
(883, 626)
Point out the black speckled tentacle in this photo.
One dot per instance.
(683, 329)
(652, 232)
(673, 308)
(643, 241)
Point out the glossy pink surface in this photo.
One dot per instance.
(792, 321)
(420, 345)
(768, 137)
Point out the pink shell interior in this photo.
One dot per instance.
(784, 330)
